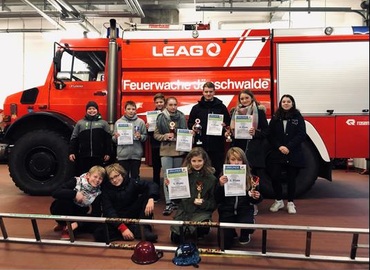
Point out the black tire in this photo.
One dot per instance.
(305, 179)
(38, 162)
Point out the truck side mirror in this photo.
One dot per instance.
(59, 84)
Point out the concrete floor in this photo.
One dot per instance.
(344, 202)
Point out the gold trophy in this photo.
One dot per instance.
(199, 199)
(228, 138)
(172, 130)
(255, 182)
(198, 132)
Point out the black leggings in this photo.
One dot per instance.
(156, 163)
(275, 173)
(132, 167)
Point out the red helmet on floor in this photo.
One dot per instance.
(145, 253)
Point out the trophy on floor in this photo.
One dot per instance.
(173, 130)
(198, 132)
(199, 199)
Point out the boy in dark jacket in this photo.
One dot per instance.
(91, 142)
(124, 197)
(213, 145)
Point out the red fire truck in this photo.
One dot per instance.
(325, 69)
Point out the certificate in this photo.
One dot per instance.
(236, 180)
(242, 125)
(178, 187)
(125, 134)
(214, 125)
(151, 118)
(184, 140)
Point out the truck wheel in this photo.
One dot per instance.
(305, 179)
(38, 162)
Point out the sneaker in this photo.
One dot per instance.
(255, 212)
(291, 208)
(58, 228)
(167, 210)
(245, 239)
(277, 205)
(174, 206)
(65, 235)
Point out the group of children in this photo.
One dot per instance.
(124, 195)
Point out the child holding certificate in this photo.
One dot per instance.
(237, 209)
(250, 129)
(129, 134)
(201, 203)
(168, 122)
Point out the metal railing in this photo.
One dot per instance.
(265, 228)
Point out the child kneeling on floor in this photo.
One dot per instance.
(80, 196)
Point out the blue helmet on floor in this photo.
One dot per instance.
(187, 254)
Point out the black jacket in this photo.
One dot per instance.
(201, 111)
(256, 149)
(91, 138)
(121, 201)
(234, 205)
(292, 138)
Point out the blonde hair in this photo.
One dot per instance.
(97, 169)
(115, 167)
(239, 153)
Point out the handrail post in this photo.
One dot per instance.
(221, 238)
(308, 243)
(36, 229)
(264, 241)
(70, 231)
(3, 230)
(354, 246)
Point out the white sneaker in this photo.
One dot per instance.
(277, 205)
(255, 211)
(291, 208)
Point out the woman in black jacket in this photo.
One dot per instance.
(287, 133)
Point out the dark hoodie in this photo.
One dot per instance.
(201, 111)
(91, 137)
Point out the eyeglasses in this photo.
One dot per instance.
(114, 177)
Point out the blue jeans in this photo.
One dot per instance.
(169, 163)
